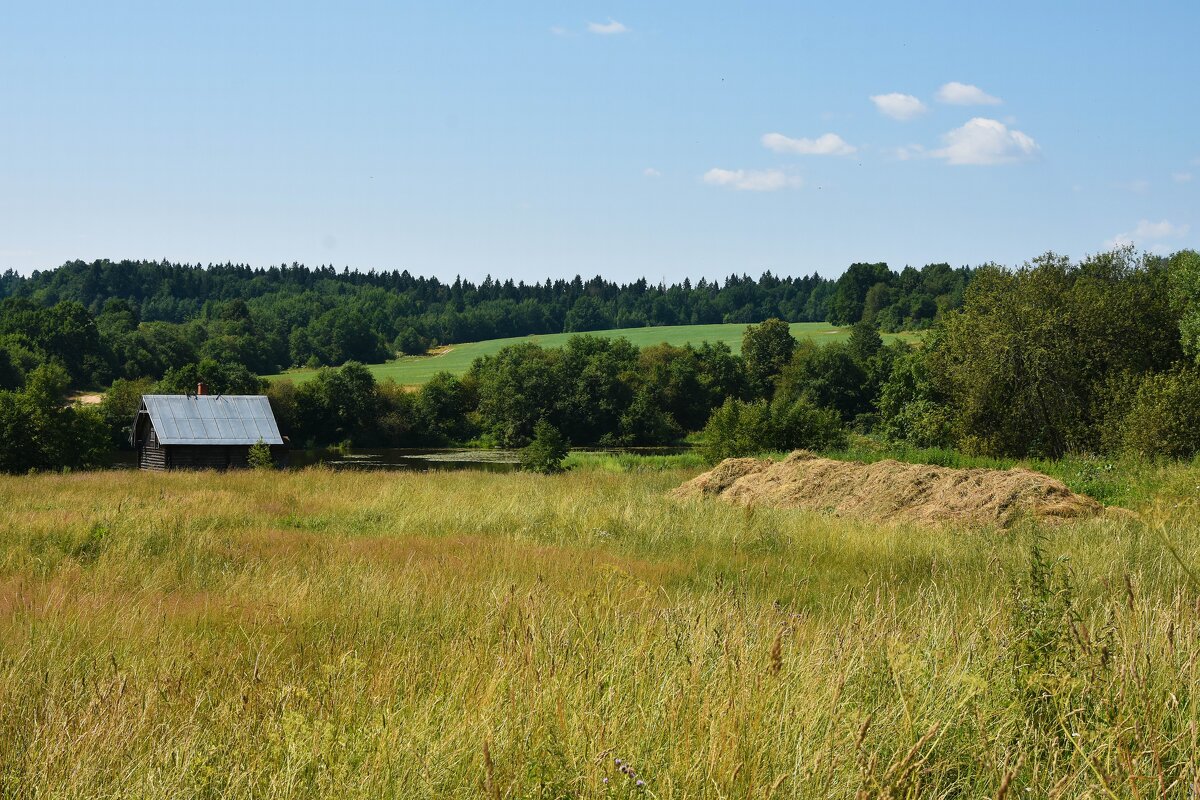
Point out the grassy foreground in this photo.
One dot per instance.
(319, 634)
(457, 359)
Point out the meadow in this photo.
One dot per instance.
(456, 359)
(320, 634)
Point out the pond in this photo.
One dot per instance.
(418, 459)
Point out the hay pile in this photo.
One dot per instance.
(891, 490)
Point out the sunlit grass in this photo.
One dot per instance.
(457, 358)
(374, 634)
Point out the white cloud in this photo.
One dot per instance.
(607, 28)
(1147, 232)
(898, 106)
(965, 94)
(1182, 177)
(752, 180)
(558, 30)
(984, 141)
(651, 172)
(828, 144)
(1158, 230)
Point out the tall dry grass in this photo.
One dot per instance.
(316, 634)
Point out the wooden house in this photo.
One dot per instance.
(202, 431)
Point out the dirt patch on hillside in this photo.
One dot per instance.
(891, 490)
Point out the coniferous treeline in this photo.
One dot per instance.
(108, 320)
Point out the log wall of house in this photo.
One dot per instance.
(190, 456)
(151, 455)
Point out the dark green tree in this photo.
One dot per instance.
(1028, 363)
(218, 378)
(766, 349)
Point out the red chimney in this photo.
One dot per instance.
(201, 389)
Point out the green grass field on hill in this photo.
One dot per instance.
(457, 359)
(470, 635)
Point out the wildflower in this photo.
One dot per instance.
(641, 783)
(617, 761)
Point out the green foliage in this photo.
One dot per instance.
(546, 452)
(218, 378)
(457, 359)
(1184, 269)
(690, 382)
(646, 422)
(443, 406)
(766, 350)
(910, 408)
(586, 315)
(1164, 417)
(739, 428)
(595, 379)
(1027, 362)
(338, 405)
(39, 431)
(516, 386)
(15, 361)
(1059, 673)
(850, 295)
(120, 405)
(259, 456)
(64, 333)
(827, 376)
(411, 343)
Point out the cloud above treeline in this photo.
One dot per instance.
(980, 141)
(986, 142)
(1149, 234)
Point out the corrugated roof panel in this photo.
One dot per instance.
(229, 429)
(211, 431)
(166, 428)
(265, 428)
(212, 419)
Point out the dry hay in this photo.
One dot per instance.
(891, 490)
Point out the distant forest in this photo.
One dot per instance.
(1098, 357)
(138, 319)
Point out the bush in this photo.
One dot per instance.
(411, 343)
(740, 429)
(259, 456)
(1164, 417)
(801, 424)
(545, 454)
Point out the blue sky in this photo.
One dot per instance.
(630, 139)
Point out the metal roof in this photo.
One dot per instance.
(211, 418)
